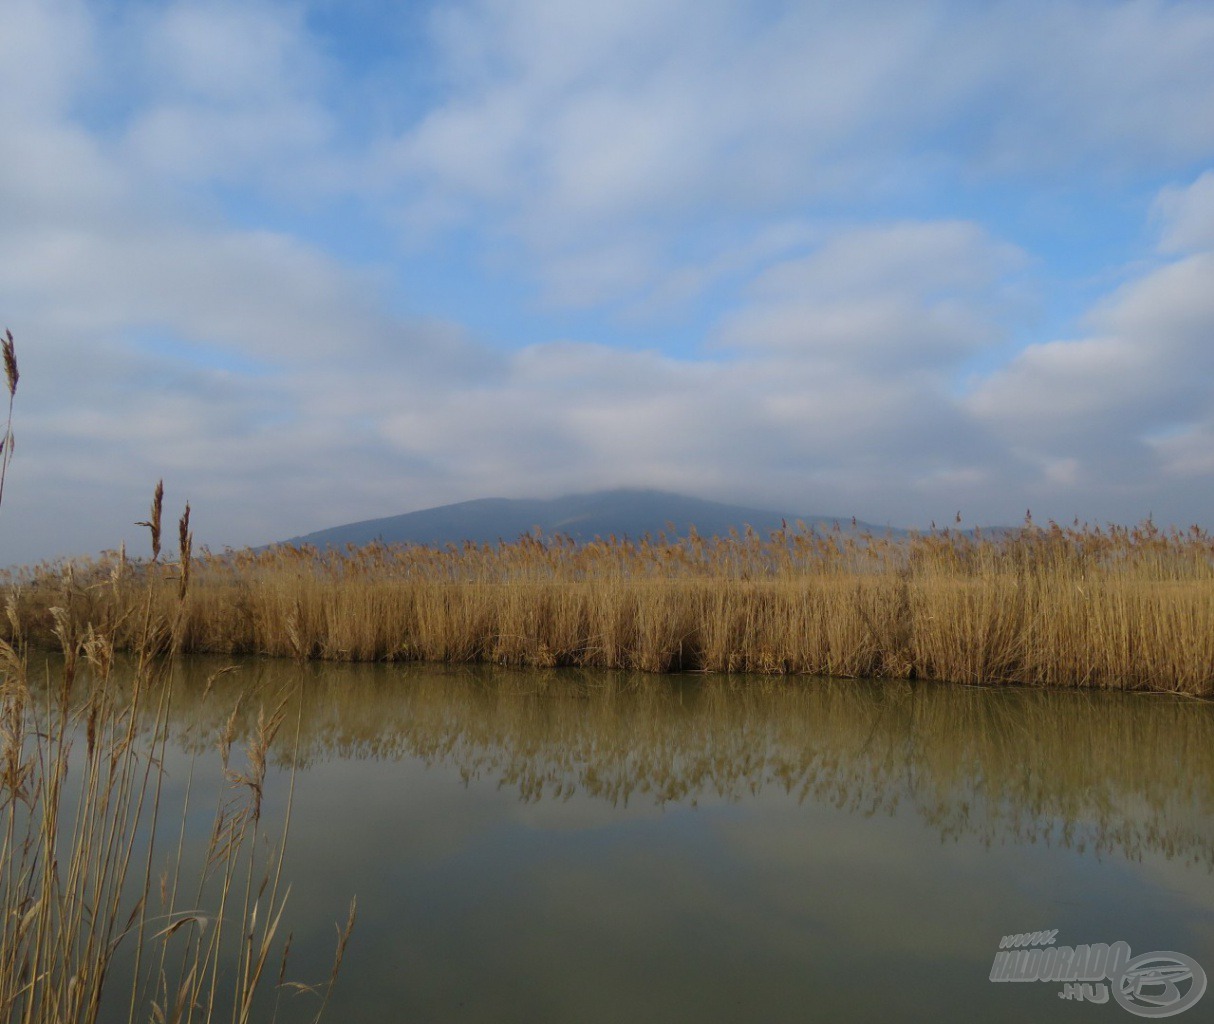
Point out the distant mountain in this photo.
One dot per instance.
(624, 513)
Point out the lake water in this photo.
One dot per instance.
(595, 847)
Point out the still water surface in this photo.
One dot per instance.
(585, 847)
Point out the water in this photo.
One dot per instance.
(584, 847)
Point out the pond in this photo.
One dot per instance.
(595, 847)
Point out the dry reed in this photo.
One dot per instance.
(80, 829)
(11, 377)
(81, 836)
(1079, 607)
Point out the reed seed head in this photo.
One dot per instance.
(186, 541)
(10, 362)
(153, 524)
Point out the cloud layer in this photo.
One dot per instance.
(802, 256)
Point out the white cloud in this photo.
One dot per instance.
(264, 296)
(887, 298)
(1101, 87)
(563, 132)
(1077, 382)
(1187, 215)
(746, 171)
(910, 258)
(1122, 411)
(567, 125)
(230, 92)
(1148, 365)
(46, 51)
(229, 52)
(671, 290)
(1190, 452)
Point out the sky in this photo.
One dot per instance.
(313, 263)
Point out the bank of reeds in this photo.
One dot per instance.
(1082, 607)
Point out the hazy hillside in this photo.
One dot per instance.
(630, 513)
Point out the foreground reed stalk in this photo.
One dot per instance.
(80, 834)
(8, 352)
(83, 911)
(1079, 607)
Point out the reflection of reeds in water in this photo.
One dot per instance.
(1116, 608)
(1104, 772)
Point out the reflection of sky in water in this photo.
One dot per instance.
(569, 847)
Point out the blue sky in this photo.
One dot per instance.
(312, 263)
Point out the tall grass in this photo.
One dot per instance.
(82, 910)
(1079, 606)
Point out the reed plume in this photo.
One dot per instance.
(10, 376)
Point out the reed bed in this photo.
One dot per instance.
(1079, 606)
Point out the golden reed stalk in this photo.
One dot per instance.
(1077, 607)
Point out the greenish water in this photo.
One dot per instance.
(585, 847)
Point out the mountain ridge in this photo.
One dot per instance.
(622, 512)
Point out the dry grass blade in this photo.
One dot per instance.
(202, 920)
(343, 940)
